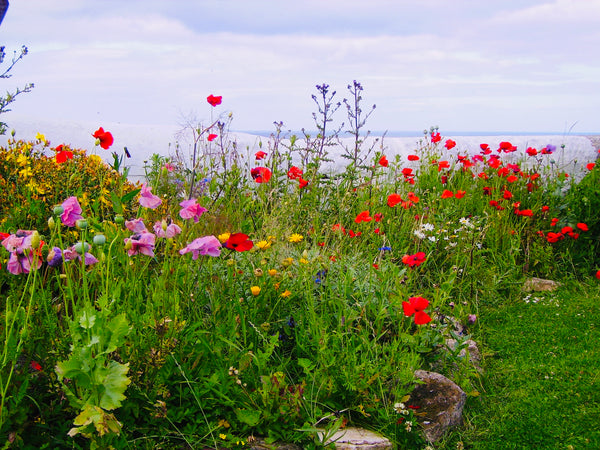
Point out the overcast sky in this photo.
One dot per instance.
(465, 65)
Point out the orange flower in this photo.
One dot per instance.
(447, 194)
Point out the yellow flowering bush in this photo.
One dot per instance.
(32, 182)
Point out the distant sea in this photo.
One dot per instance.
(573, 152)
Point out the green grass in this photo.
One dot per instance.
(541, 388)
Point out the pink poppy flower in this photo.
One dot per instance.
(207, 245)
(171, 230)
(71, 212)
(141, 243)
(148, 199)
(136, 226)
(191, 210)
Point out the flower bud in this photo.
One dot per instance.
(82, 224)
(128, 244)
(119, 219)
(81, 247)
(51, 223)
(35, 239)
(99, 239)
(164, 225)
(58, 210)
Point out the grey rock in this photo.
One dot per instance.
(359, 439)
(440, 402)
(540, 285)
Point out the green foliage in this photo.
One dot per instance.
(308, 329)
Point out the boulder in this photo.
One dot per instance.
(471, 347)
(440, 403)
(540, 285)
(359, 439)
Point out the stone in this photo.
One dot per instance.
(540, 285)
(471, 348)
(440, 403)
(359, 439)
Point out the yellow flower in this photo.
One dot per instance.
(22, 160)
(223, 436)
(255, 290)
(271, 238)
(95, 159)
(272, 272)
(224, 423)
(263, 245)
(26, 172)
(287, 262)
(304, 261)
(40, 137)
(223, 237)
(295, 238)
(286, 293)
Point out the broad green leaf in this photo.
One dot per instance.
(115, 382)
(87, 320)
(129, 196)
(248, 416)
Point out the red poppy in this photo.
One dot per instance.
(545, 208)
(582, 226)
(294, 173)
(506, 147)
(531, 151)
(524, 212)
(512, 178)
(214, 100)
(460, 194)
(566, 230)
(104, 137)
(416, 306)
(239, 242)
(436, 137)
(62, 155)
(407, 172)
(378, 217)
(338, 227)
(507, 195)
(260, 155)
(483, 176)
(393, 200)
(450, 144)
(447, 194)
(554, 237)
(414, 260)
(363, 217)
(413, 158)
(383, 161)
(212, 137)
(590, 166)
(302, 182)
(598, 274)
(553, 222)
(35, 366)
(261, 174)
(443, 165)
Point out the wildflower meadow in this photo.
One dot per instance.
(235, 294)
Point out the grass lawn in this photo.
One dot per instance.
(541, 388)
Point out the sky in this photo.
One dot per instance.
(463, 65)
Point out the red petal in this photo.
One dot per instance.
(421, 318)
(409, 310)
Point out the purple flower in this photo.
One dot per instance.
(472, 319)
(191, 209)
(136, 226)
(171, 230)
(207, 245)
(22, 255)
(71, 253)
(148, 199)
(140, 243)
(71, 212)
(54, 257)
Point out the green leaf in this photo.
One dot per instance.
(129, 196)
(115, 383)
(248, 416)
(87, 320)
(116, 201)
(118, 327)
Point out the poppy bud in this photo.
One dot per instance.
(35, 239)
(128, 244)
(81, 247)
(99, 239)
(51, 223)
(58, 210)
(119, 219)
(81, 224)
